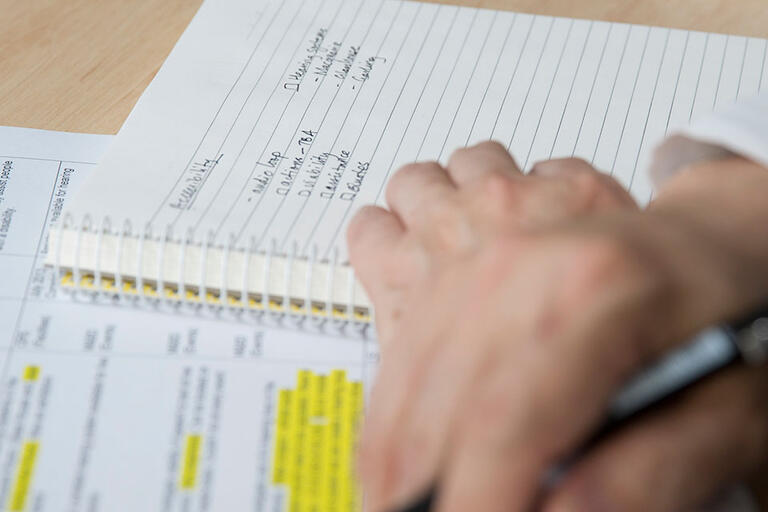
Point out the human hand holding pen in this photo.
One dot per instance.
(510, 309)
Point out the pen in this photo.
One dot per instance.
(709, 353)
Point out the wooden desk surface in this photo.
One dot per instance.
(80, 65)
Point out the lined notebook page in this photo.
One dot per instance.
(272, 122)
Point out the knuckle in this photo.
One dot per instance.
(540, 167)
(492, 145)
(358, 226)
(410, 168)
(460, 157)
(356, 223)
(494, 183)
(420, 167)
(401, 176)
(406, 177)
(575, 163)
(499, 191)
(558, 165)
(590, 185)
(401, 173)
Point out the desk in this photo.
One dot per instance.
(80, 65)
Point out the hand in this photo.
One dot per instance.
(511, 308)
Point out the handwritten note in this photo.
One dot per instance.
(272, 122)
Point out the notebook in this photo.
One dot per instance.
(270, 123)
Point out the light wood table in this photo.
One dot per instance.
(80, 65)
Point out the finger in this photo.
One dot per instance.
(377, 471)
(590, 187)
(415, 444)
(680, 456)
(374, 237)
(416, 186)
(373, 233)
(468, 165)
(399, 379)
(489, 467)
(559, 167)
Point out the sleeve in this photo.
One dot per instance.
(741, 129)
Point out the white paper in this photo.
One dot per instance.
(119, 387)
(275, 121)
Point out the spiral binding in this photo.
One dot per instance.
(76, 266)
(202, 289)
(160, 284)
(85, 272)
(119, 284)
(105, 225)
(139, 263)
(181, 291)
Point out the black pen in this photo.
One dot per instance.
(709, 353)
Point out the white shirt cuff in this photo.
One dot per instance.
(741, 129)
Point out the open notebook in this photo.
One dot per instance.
(271, 123)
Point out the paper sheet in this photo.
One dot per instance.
(111, 407)
(274, 121)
